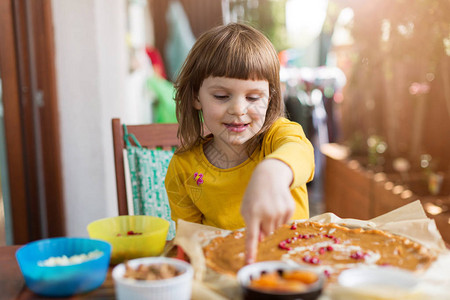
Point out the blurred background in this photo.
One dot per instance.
(369, 81)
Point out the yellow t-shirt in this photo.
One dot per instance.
(202, 193)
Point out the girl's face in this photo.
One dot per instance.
(233, 110)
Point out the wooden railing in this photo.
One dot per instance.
(353, 191)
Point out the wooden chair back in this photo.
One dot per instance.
(152, 136)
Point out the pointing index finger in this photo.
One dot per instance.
(251, 242)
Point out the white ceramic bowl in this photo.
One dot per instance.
(252, 271)
(378, 283)
(176, 288)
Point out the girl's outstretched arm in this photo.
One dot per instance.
(267, 202)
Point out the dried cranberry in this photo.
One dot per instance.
(315, 260)
(358, 255)
(282, 245)
(131, 232)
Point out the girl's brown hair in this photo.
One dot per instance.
(235, 51)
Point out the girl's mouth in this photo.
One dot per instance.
(236, 127)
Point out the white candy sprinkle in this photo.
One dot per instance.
(66, 261)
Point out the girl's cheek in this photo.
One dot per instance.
(258, 111)
(258, 118)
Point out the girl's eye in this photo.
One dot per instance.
(253, 98)
(221, 97)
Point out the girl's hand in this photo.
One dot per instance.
(267, 203)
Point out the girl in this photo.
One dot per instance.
(252, 169)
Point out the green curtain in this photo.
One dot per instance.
(164, 107)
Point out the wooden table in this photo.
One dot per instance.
(12, 284)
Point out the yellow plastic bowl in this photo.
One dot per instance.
(150, 240)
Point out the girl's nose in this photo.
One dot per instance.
(238, 106)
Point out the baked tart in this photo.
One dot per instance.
(330, 246)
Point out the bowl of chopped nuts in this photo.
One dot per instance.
(131, 236)
(280, 280)
(64, 266)
(153, 278)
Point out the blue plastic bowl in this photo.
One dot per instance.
(59, 281)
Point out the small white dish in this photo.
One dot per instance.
(175, 288)
(377, 283)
